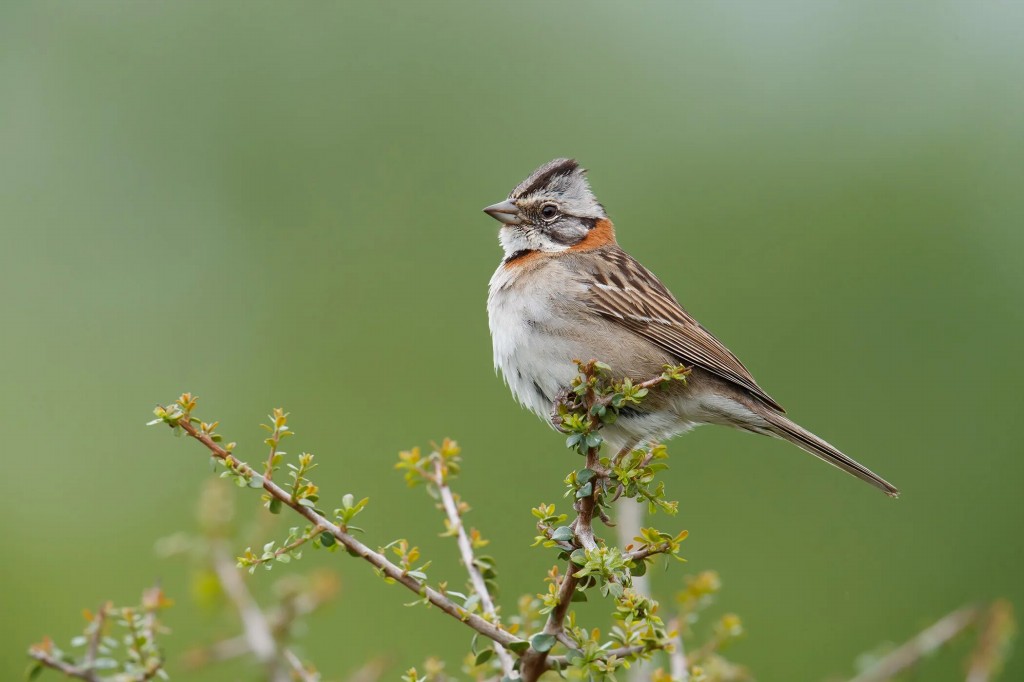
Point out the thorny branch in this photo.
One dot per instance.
(352, 544)
(600, 402)
(451, 509)
(536, 662)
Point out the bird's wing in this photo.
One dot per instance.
(624, 291)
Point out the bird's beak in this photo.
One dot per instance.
(506, 212)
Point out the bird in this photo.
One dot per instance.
(566, 291)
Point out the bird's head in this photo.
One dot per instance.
(551, 210)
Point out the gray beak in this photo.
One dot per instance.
(506, 212)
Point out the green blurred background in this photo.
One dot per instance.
(279, 204)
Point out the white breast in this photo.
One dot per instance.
(534, 343)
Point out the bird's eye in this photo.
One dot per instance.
(549, 211)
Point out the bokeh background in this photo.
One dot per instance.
(278, 204)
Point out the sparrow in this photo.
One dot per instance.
(565, 290)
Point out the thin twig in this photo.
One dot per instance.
(921, 645)
(468, 558)
(677, 659)
(96, 636)
(298, 668)
(67, 669)
(649, 384)
(258, 635)
(566, 640)
(254, 623)
(279, 618)
(386, 567)
(618, 652)
(641, 554)
(290, 547)
(997, 627)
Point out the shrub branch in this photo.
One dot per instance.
(451, 509)
(143, 660)
(353, 545)
(256, 629)
(995, 622)
(592, 401)
(535, 662)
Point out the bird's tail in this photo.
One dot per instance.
(784, 428)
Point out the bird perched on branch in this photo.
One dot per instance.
(565, 290)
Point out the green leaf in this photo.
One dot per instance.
(275, 506)
(562, 534)
(34, 671)
(519, 646)
(484, 656)
(327, 539)
(256, 481)
(579, 557)
(586, 491)
(542, 643)
(585, 476)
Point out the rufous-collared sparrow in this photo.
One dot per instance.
(565, 290)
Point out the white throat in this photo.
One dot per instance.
(514, 239)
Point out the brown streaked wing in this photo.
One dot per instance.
(630, 295)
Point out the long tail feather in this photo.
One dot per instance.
(784, 428)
